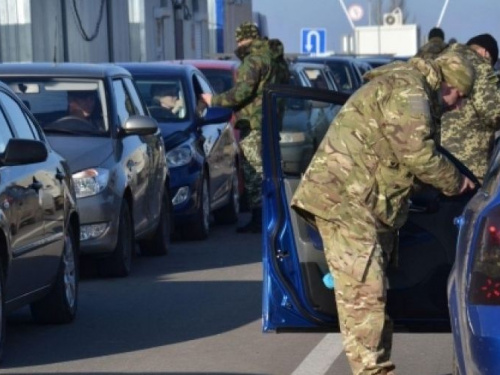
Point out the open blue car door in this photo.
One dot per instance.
(294, 295)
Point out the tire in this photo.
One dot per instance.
(201, 223)
(229, 213)
(60, 305)
(160, 242)
(119, 263)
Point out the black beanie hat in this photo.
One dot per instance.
(488, 43)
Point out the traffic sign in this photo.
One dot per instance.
(313, 40)
(355, 12)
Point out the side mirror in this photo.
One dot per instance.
(23, 151)
(139, 125)
(214, 115)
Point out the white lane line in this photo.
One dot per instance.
(321, 358)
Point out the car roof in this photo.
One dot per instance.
(210, 63)
(158, 68)
(83, 70)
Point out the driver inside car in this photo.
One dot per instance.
(165, 99)
(84, 105)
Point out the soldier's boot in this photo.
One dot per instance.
(255, 223)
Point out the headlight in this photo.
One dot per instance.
(288, 137)
(90, 182)
(179, 156)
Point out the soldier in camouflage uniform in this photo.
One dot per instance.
(469, 132)
(257, 70)
(356, 189)
(434, 46)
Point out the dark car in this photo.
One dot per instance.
(344, 69)
(222, 76)
(305, 122)
(294, 264)
(39, 223)
(201, 150)
(93, 115)
(474, 283)
(220, 73)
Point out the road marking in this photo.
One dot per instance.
(321, 358)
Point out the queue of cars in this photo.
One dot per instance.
(130, 173)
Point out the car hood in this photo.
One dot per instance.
(82, 152)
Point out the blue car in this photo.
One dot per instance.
(201, 150)
(474, 284)
(294, 294)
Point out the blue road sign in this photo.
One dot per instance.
(313, 41)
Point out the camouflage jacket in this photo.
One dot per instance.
(245, 97)
(432, 48)
(468, 133)
(278, 54)
(380, 140)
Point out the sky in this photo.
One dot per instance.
(462, 19)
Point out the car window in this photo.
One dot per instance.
(18, 117)
(220, 79)
(136, 101)
(5, 132)
(66, 106)
(165, 98)
(124, 104)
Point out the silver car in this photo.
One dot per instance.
(93, 116)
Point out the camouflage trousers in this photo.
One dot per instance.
(251, 145)
(361, 305)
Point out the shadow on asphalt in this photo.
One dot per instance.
(157, 305)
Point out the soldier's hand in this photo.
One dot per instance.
(207, 98)
(467, 185)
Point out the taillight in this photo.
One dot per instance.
(485, 278)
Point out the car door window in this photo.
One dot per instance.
(124, 105)
(5, 132)
(136, 101)
(18, 117)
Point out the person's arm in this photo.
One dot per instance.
(486, 96)
(407, 127)
(247, 82)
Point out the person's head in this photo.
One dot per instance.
(246, 33)
(486, 46)
(436, 32)
(458, 79)
(81, 103)
(165, 95)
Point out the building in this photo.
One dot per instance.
(118, 30)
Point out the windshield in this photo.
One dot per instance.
(164, 98)
(70, 107)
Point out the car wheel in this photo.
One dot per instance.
(59, 306)
(229, 213)
(160, 242)
(201, 224)
(119, 263)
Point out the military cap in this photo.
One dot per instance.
(247, 30)
(457, 71)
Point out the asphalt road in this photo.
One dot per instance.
(196, 311)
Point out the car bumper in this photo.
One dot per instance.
(102, 211)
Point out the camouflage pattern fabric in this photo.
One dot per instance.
(247, 30)
(254, 73)
(432, 48)
(381, 139)
(278, 53)
(251, 145)
(468, 133)
(366, 328)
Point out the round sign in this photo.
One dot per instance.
(355, 12)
